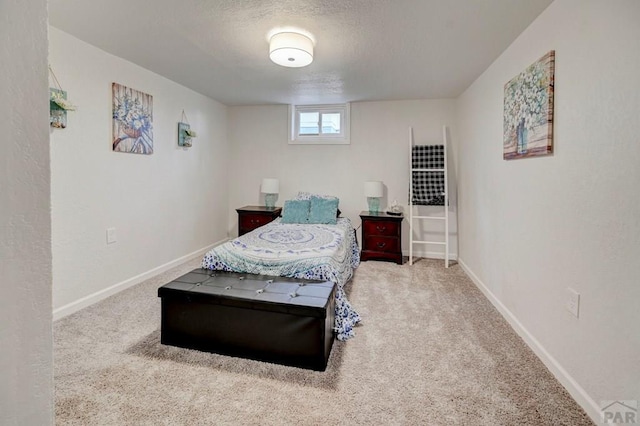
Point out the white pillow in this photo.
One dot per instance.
(302, 195)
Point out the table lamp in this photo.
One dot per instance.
(373, 190)
(270, 188)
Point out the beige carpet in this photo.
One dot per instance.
(431, 350)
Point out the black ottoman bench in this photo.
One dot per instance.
(281, 320)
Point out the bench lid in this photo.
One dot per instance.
(261, 292)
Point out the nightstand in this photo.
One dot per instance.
(381, 236)
(252, 217)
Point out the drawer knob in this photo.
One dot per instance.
(381, 228)
(381, 245)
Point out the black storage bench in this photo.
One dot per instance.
(281, 320)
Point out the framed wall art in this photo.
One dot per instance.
(132, 120)
(185, 132)
(58, 103)
(57, 111)
(528, 111)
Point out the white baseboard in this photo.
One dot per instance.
(570, 384)
(430, 254)
(89, 300)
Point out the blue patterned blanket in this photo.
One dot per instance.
(322, 252)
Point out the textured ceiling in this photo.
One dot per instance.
(365, 49)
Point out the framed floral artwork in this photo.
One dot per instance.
(132, 120)
(528, 111)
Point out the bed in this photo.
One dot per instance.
(314, 251)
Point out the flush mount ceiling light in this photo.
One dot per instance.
(291, 49)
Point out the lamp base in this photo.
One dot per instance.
(374, 204)
(270, 200)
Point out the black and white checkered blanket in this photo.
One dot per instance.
(428, 187)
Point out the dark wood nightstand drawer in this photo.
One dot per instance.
(381, 227)
(253, 221)
(382, 244)
(252, 217)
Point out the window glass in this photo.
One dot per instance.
(309, 123)
(331, 123)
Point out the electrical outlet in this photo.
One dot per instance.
(573, 302)
(111, 235)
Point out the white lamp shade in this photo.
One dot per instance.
(291, 50)
(373, 189)
(270, 186)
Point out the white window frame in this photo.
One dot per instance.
(343, 138)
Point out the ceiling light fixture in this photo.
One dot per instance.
(291, 49)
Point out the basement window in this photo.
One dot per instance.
(319, 124)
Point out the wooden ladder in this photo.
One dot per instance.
(413, 217)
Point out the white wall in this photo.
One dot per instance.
(379, 150)
(26, 366)
(531, 228)
(164, 206)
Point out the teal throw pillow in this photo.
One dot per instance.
(323, 210)
(295, 211)
(302, 195)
